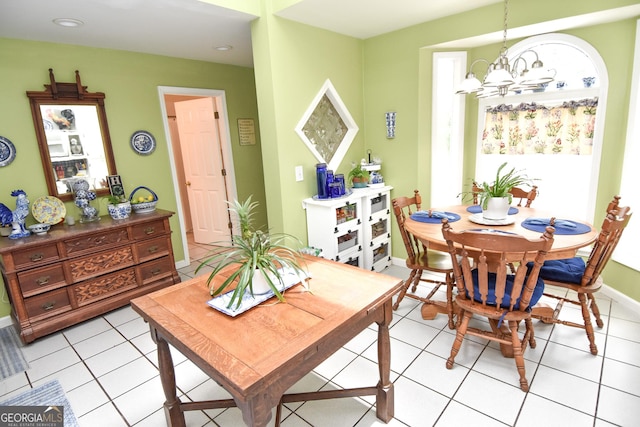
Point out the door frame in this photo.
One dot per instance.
(220, 101)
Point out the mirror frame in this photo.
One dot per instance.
(68, 94)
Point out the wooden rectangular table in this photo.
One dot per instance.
(258, 355)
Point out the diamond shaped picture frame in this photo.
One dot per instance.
(327, 128)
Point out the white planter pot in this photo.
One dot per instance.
(260, 285)
(497, 208)
(119, 211)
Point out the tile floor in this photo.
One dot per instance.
(108, 369)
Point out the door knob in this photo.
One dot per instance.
(188, 183)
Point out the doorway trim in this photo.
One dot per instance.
(220, 101)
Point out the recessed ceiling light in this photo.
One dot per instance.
(68, 22)
(224, 48)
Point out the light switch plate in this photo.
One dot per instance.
(299, 175)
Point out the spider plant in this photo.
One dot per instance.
(502, 185)
(252, 252)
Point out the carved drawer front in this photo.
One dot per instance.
(104, 286)
(95, 265)
(150, 249)
(48, 304)
(152, 229)
(96, 241)
(36, 255)
(40, 280)
(154, 270)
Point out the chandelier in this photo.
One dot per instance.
(502, 77)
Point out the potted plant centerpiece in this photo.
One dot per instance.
(118, 207)
(359, 177)
(495, 197)
(255, 262)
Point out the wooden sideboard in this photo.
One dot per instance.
(74, 273)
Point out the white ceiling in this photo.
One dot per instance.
(192, 29)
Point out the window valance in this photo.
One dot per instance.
(533, 128)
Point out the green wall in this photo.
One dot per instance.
(130, 82)
(398, 77)
(292, 62)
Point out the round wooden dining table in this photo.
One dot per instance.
(430, 233)
(564, 245)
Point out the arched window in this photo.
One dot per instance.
(554, 133)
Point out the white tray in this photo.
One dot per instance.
(479, 219)
(221, 302)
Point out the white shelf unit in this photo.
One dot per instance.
(376, 218)
(355, 229)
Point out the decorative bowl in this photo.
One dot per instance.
(143, 207)
(39, 229)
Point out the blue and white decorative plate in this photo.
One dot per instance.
(7, 151)
(47, 124)
(143, 142)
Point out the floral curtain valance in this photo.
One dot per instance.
(539, 129)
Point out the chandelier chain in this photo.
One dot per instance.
(504, 31)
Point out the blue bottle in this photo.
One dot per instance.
(321, 180)
(329, 182)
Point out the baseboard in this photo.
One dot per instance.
(621, 298)
(400, 262)
(5, 321)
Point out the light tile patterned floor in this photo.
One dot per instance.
(108, 369)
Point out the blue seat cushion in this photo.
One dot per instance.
(491, 299)
(568, 270)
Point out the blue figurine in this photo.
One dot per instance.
(17, 217)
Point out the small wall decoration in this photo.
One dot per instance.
(391, 124)
(143, 142)
(327, 128)
(247, 132)
(7, 151)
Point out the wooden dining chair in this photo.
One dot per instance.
(487, 289)
(420, 259)
(518, 193)
(583, 278)
(524, 196)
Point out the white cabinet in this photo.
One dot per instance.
(376, 219)
(355, 229)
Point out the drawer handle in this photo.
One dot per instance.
(153, 249)
(156, 271)
(41, 281)
(149, 230)
(49, 305)
(38, 256)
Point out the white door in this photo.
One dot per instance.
(204, 169)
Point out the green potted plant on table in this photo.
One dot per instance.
(118, 207)
(495, 197)
(255, 261)
(359, 177)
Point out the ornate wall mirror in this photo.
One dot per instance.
(73, 136)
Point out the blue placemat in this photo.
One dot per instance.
(477, 209)
(562, 226)
(435, 217)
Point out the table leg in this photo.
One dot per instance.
(175, 417)
(255, 412)
(384, 396)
